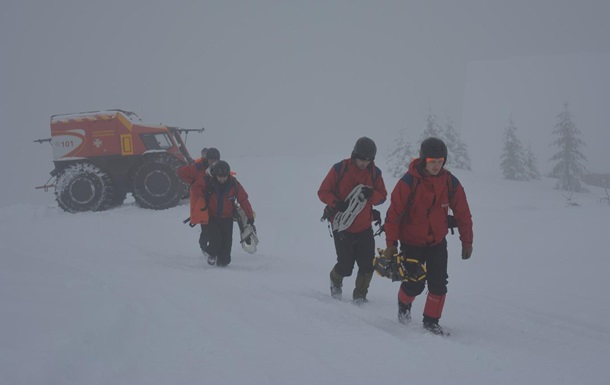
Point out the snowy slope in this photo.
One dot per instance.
(123, 296)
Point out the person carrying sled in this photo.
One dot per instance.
(355, 244)
(221, 190)
(417, 218)
(190, 173)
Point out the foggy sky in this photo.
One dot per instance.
(282, 77)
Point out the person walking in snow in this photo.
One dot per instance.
(417, 218)
(220, 190)
(355, 244)
(190, 173)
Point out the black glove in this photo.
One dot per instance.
(366, 192)
(341, 206)
(376, 217)
(250, 221)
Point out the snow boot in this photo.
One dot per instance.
(211, 259)
(404, 313)
(432, 313)
(404, 306)
(363, 281)
(431, 325)
(336, 284)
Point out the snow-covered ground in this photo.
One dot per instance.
(124, 296)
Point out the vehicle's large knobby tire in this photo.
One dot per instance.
(155, 184)
(84, 187)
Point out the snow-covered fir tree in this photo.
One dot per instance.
(512, 159)
(400, 155)
(462, 158)
(433, 129)
(570, 160)
(451, 138)
(531, 167)
(457, 150)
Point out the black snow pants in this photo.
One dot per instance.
(204, 238)
(435, 258)
(354, 248)
(220, 231)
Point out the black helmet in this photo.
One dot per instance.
(213, 153)
(364, 149)
(221, 168)
(432, 148)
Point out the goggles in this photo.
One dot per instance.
(435, 160)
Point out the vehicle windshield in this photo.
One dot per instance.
(157, 141)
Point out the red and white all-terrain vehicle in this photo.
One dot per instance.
(100, 156)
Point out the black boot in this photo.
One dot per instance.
(404, 313)
(431, 325)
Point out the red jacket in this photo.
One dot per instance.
(424, 222)
(190, 173)
(220, 196)
(332, 189)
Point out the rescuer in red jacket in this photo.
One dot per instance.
(417, 218)
(221, 190)
(356, 243)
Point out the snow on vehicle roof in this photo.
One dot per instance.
(131, 116)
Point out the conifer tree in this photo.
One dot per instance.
(462, 158)
(451, 138)
(432, 129)
(531, 168)
(569, 168)
(456, 149)
(512, 159)
(401, 154)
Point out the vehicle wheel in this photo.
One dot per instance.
(155, 184)
(84, 187)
